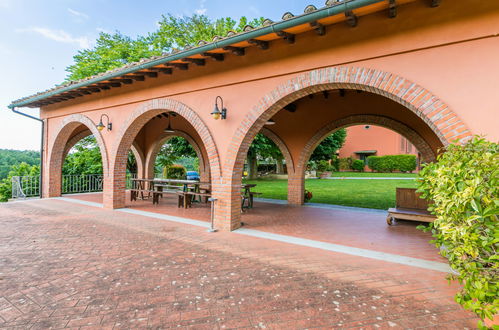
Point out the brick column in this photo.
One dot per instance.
(227, 214)
(296, 186)
(114, 194)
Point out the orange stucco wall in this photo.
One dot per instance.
(384, 141)
(450, 51)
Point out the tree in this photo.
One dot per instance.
(8, 158)
(113, 50)
(327, 149)
(22, 169)
(171, 151)
(261, 148)
(84, 158)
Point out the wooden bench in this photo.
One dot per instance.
(185, 197)
(134, 193)
(409, 206)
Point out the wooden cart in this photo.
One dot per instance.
(409, 207)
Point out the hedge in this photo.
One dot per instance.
(358, 165)
(390, 163)
(176, 172)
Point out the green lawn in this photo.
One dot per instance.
(376, 194)
(373, 175)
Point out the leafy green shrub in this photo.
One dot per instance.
(22, 169)
(464, 187)
(358, 165)
(390, 163)
(373, 162)
(406, 163)
(323, 166)
(345, 164)
(175, 172)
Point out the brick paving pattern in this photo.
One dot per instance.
(68, 265)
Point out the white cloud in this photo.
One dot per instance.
(202, 9)
(59, 36)
(78, 14)
(5, 3)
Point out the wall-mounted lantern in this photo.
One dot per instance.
(270, 122)
(100, 126)
(217, 114)
(169, 129)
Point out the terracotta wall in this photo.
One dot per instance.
(383, 140)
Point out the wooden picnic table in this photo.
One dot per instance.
(187, 190)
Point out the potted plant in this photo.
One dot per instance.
(307, 195)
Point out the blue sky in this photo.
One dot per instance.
(39, 38)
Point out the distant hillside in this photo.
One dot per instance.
(10, 157)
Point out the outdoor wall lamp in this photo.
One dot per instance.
(169, 129)
(270, 122)
(100, 126)
(217, 114)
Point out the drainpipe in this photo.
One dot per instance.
(41, 146)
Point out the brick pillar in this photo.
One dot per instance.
(227, 214)
(114, 194)
(52, 182)
(296, 187)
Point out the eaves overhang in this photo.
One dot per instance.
(199, 53)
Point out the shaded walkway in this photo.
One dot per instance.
(355, 227)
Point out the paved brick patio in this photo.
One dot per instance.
(70, 265)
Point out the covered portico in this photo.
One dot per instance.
(404, 66)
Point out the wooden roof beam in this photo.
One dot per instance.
(352, 19)
(392, 8)
(215, 56)
(162, 70)
(149, 74)
(122, 80)
(103, 86)
(136, 77)
(238, 51)
(180, 66)
(288, 37)
(259, 43)
(197, 61)
(318, 27)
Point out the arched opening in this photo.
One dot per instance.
(309, 107)
(78, 161)
(150, 126)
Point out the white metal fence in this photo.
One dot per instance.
(29, 186)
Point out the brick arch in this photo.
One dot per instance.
(282, 147)
(139, 158)
(58, 151)
(154, 150)
(114, 196)
(423, 147)
(445, 124)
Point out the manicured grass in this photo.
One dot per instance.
(376, 194)
(373, 175)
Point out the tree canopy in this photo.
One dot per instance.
(8, 158)
(327, 149)
(113, 50)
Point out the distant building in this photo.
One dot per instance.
(368, 140)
